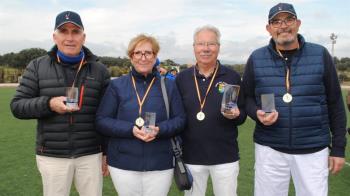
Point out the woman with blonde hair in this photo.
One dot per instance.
(140, 157)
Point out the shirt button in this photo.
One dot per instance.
(203, 79)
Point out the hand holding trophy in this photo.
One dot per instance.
(72, 94)
(229, 101)
(268, 114)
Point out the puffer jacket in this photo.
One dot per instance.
(116, 119)
(62, 135)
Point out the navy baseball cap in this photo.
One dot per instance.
(281, 7)
(68, 17)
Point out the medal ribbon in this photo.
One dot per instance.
(140, 102)
(197, 88)
(80, 66)
(287, 74)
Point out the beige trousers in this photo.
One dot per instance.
(58, 173)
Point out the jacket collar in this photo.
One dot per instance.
(139, 76)
(272, 44)
(89, 56)
(221, 70)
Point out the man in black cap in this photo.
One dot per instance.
(308, 117)
(67, 145)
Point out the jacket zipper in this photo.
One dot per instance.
(289, 104)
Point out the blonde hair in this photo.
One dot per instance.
(142, 38)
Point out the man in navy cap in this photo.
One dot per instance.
(67, 144)
(304, 135)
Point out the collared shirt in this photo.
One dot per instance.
(213, 140)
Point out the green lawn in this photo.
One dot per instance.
(19, 175)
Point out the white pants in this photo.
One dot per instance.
(223, 176)
(273, 170)
(57, 175)
(135, 183)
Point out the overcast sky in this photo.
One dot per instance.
(110, 24)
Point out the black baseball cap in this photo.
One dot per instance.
(68, 17)
(281, 7)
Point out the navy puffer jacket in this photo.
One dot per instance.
(117, 114)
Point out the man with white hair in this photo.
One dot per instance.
(210, 137)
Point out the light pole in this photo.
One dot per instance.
(334, 40)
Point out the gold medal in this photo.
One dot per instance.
(139, 122)
(287, 98)
(200, 116)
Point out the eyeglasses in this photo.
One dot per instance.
(278, 22)
(203, 44)
(147, 54)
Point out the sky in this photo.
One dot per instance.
(111, 24)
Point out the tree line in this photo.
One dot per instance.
(121, 65)
(343, 68)
(116, 65)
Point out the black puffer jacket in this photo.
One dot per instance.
(71, 134)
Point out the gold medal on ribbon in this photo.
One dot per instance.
(139, 121)
(78, 104)
(287, 97)
(200, 115)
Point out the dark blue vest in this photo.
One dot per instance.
(304, 122)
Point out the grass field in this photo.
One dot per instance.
(19, 175)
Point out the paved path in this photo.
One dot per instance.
(345, 87)
(8, 84)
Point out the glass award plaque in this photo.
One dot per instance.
(72, 94)
(268, 103)
(150, 120)
(229, 98)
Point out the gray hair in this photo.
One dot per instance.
(207, 28)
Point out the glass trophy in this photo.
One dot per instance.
(72, 94)
(150, 120)
(268, 103)
(229, 98)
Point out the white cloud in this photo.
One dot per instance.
(110, 24)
